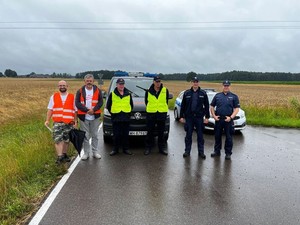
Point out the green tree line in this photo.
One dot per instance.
(234, 75)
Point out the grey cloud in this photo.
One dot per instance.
(166, 51)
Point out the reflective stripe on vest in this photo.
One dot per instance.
(94, 102)
(120, 104)
(157, 104)
(63, 113)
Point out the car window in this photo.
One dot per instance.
(131, 85)
(181, 95)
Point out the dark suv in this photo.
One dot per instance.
(137, 86)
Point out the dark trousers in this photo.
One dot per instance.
(160, 125)
(228, 130)
(121, 135)
(191, 123)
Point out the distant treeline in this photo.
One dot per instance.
(232, 75)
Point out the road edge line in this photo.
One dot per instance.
(47, 203)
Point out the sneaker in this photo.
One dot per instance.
(66, 157)
(97, 155)
(85, 157)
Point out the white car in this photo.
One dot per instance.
(239, 120)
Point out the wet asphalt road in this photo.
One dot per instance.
(261, 185)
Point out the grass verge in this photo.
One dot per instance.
(27, 168)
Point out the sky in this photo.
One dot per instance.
(169, 36)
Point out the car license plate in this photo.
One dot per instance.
(137, 133)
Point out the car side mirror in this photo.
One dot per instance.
(170, 96)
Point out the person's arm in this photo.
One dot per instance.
(146, 98)
(212, 109)
(235, 112)
(206, 107)
(131, 102)
(78, 103)
(167, 96)
(182, 109)
(236, 107)
(109, 102)
(48, 117)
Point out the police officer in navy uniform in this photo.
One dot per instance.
(156, 100)
(224, 107)
(194, 107)
(120, 104)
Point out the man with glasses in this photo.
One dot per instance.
(156, 100)
(224, 107)
(194, 107)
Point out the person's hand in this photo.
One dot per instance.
(217, 118)
(206, 121)
(228, 119)
(90, 112)
(75, 125)
(181, 120)
(47, 123)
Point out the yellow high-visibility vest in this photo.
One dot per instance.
(157, 104)
(120, 104)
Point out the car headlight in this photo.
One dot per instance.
(106, 112)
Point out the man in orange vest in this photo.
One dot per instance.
(61, 108)
(89, 102)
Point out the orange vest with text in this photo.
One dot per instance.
(94, 102)
(63, 113)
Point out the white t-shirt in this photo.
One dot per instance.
(63, 99)
(88, 103)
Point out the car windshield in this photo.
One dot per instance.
(135, 86)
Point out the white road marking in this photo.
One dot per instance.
(46, 205)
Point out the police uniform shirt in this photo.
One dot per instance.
(225, 103)
(195, 98)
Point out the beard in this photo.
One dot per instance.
(63, 90)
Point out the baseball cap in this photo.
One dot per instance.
(195, 79)
(120, 81)
(156, 78)
(226, 83)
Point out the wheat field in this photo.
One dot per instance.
(28, 97)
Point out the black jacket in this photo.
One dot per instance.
(157, 115)
(121, 116)
(83, 107)
(202, 108)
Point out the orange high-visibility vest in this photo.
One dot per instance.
(94, 102)
(63, 113)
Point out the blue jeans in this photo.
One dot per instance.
(228, 130)
(191, 123)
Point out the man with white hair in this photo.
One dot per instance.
(89, 102)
